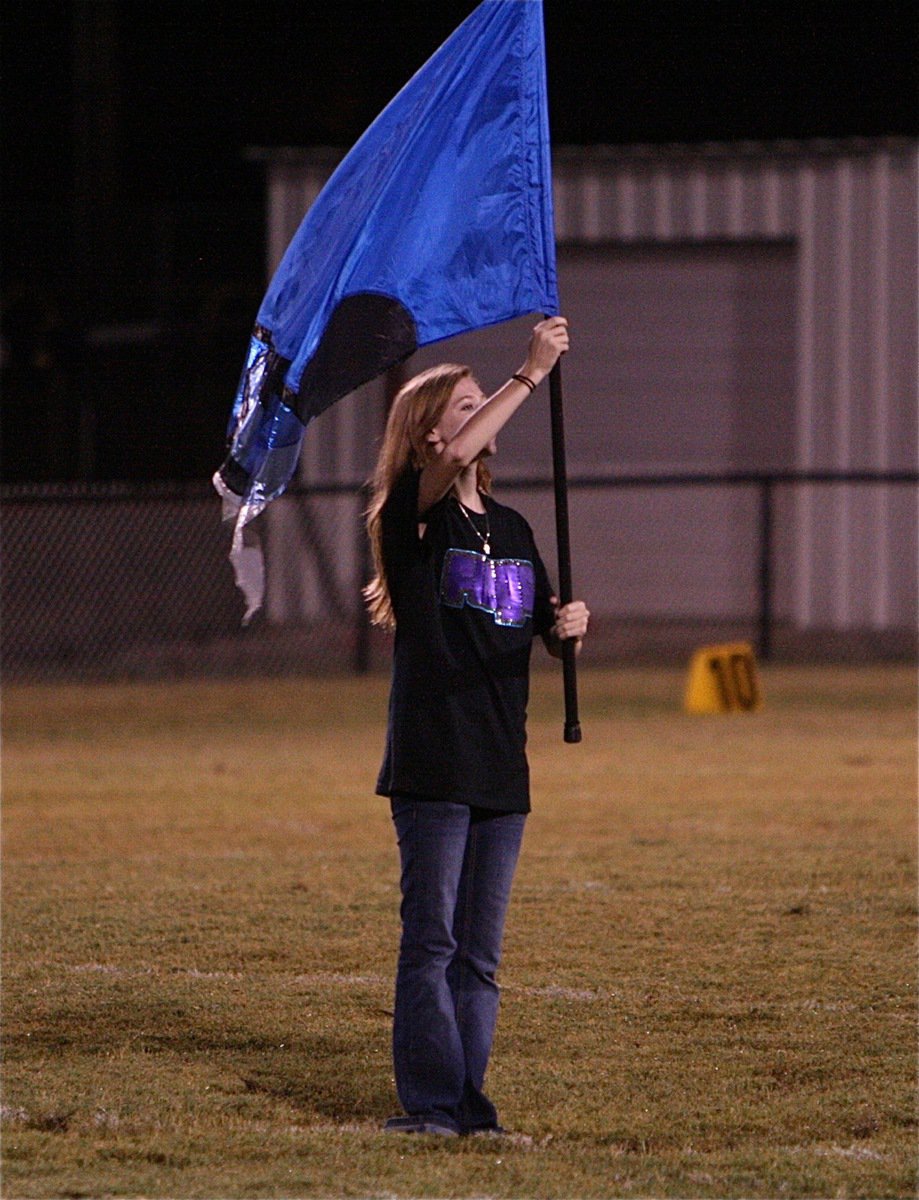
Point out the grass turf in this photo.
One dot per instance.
(710, 961)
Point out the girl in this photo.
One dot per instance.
(459, 578)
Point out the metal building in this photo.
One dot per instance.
(742, 308)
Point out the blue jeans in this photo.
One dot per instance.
(457, 867)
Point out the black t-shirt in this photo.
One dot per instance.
(465, 622)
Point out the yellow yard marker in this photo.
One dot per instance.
(723, 679)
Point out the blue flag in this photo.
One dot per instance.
(438, 221)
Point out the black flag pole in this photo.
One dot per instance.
(565, 595)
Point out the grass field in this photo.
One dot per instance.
(710, 963)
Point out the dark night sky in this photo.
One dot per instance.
(127, 196)
(201, 80)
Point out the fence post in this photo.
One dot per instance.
(764, 640)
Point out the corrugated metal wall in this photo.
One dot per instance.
(850, 211)
(838, 222)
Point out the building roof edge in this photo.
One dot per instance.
(329, 156)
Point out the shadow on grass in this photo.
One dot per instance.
(332, 1085)
(340, 1077)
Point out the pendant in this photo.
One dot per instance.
(486, 547)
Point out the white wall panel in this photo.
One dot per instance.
(903, 307)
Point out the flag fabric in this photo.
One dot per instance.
(437, 222)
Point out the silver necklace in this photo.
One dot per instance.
(484, 538)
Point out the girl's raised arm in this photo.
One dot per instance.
(463, 447)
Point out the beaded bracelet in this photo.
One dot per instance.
(525, 379)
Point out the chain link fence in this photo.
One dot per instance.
(118, 582)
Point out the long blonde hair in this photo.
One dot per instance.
(417, 408)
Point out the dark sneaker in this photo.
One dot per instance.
(419, 1125)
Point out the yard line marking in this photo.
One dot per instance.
(857, 1152)
(326, 979)
(556, 992)
(316, 977)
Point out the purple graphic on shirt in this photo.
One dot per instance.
(504, 587)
